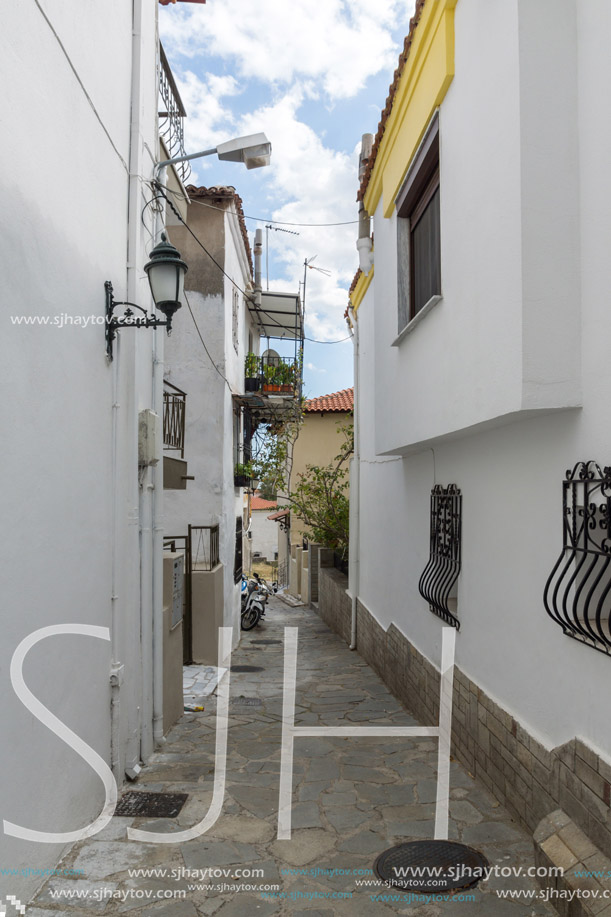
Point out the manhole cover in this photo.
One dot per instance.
(431, 866)
(247, 668)
(151, 805)
(263, 642)
(247, 701)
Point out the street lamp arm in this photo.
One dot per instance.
(170, 162)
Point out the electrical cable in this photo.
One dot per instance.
(200, 243)
(204, 345)
(266, 219)
(268, 318)
(341, 340)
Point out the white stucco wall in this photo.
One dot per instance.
(64, 176)
(264, 537)
(211, 498)
(525, 230)
(502, 340)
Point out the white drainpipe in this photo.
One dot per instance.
(355, 491)
(365, 263)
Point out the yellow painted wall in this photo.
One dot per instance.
(317, 444)
(427, 74)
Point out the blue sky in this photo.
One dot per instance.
(314, 76)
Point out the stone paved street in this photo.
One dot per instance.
(353, 798)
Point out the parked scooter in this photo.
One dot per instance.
(255, 593)
(253, 605)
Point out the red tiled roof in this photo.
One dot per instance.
(355, 280)
(259, 503)
(407, 44)
(280, 515)
(220, 193)
(338, 401)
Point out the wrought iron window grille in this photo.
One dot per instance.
(577, 594)
(174, 407)
(439, 577)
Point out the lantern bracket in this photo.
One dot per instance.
(129, 319)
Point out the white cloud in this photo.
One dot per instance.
(314, 369)
(321, 51)
(318, 185)
(338, 43)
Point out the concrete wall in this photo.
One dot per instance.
(521, 329)
(70, 457)
(209, 613)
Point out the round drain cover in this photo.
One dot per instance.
(431, 866)
(247, 668)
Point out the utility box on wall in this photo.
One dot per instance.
(173, 598)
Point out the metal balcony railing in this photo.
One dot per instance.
(174, 410)
(204, 541)
(272, 374)
(171, 115)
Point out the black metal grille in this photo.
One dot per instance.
(204, 546)
(247, 668)
(237, 562)
(151, 805)
(440, 574)
(174, 406)
(578, 592)
(441, 867)
(171, 115)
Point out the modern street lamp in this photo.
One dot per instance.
(254, 151)
(166, 273)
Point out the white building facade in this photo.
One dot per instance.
(481, 341)
(82, 534)
(205, 358)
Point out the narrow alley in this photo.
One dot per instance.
(353, 798)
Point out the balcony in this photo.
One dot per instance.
(272, 385)
(171, 117)
(174, 414)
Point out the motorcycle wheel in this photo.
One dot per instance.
(250, 618)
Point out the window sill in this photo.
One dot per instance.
(416, 319)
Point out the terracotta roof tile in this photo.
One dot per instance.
(407, 44)
(355, 280)
(224, 193)
(280, 515)
(259, 503)
(338, 401)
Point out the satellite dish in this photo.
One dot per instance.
(270, 358)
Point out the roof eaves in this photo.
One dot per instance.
(392, 91)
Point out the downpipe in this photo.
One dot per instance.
(354, 569)
(364, 248)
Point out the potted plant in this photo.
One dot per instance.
(252, 376)
(252, 380)
(270, 378)
(242, 474)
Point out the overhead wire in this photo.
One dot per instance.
(161, 194)
(204, 345)
(267, 219)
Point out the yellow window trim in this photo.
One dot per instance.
(428, 72)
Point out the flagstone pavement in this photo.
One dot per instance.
(353, 798)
